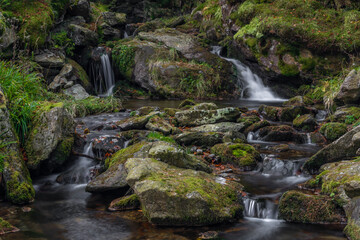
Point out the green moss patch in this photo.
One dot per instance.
(333, 130)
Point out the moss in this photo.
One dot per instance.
(92, 106)
(122, 155)
(6, 227)
(333, 130)
(81, 74)
(295, 206)
(243, 155)
(128, 202)
(63, 150)
(160, 137)
(289, 70)
(187, 103)
(352, 230)
(19, 192)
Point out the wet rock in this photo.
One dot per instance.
(199, 138)
(159, 124)
(333, 130)
(297, 101)
(350, 89)
(305, 122)
(112, 179)
(220, 127)
(171, 111)
(50, 60)
(105, 145)
(15, 175)
(6, 227)
(134, 136)
(79, 8)
(209, 235)
(114, 19)
(269, 112)
(299, 207)
(205, 106)
(317, 138)
(345, 147)
(280, 133)
(176, 197)
(82, 37)
(125, 203)
(77, 91)
(61, 80)
(234, 137)
(175, 156)
(143, 111)
(136, 122)
(248, 120)
(187, 103)
(256, 126)
(49, 143)
(280, 148)
(242, 155)
(288, 114)
(341, 114)
(202, 117)
(110, 33)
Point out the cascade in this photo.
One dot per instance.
(251, 84)
(101, 73)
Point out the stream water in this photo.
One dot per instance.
(65, 211)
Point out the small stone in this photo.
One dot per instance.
(209, 235)
(193, 149)
(26, 209)
(86, 131)
(199, 151)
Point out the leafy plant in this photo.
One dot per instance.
(350, 119)
(61, 41)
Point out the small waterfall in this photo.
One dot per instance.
(277, 167)
(321, 115)
(251, 84)
(308, 139)
(81, 172)
(101, 73)
(255, 208)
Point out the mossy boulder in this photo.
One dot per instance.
(297, 101)
(125, 203)
(175, 156)
(288, 114)
(220, 127)
(204, 106)
(171, 111)
(50, 141)
(248, 120)
(143, 111)
(15, 175)
(159, 124)
(187, 103)
(6, 227)
(113, 179)
(305, 122)
(349, 91)
(295, 206)
(344, 114)
(199, 138)
(281, 133)
(256, 126)
(352, 230)
(333, 130)
(136, 122)
(345, 147)
(177, 197)
(242, 155)
(80, 75)
(134, 136)
(192, 118)
(270, 112)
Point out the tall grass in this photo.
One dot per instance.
(23, 91)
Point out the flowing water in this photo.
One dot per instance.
(251, 85)
(65, 211)
(101, 73)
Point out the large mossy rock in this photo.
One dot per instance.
(350, 89)
(6, 227)
(295, 206)
(345, 147)
(136, 122)
(192, 118)
(305, 122)
(125, 203)
(50, 141)
(281, 133)
(199, 138)
(176, 197)
(15, 175)
(175, 156)
(242, 155)
(220, 127)
(112, 179)
(333, 130)
(159, 124)
(342, 114)
(165, 72)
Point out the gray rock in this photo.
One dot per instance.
(135, 122)
(61, 79)
(220, 127)
(177, 197)
(82, 37)
(199, 138)
(79, 8)
(350, 89)
(50, 60)
(114, 19)
(50, 141)
(112, 179)
(15, 175)
(345, 147)
(110, 32)
(77, 91)
(192, 118)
